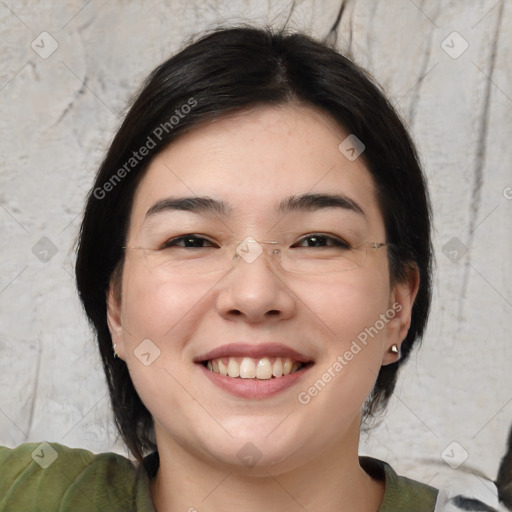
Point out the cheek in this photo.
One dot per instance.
(165, 310)
(349, 306)
(156, 304)
(350, 311)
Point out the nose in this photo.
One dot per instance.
(256, 291)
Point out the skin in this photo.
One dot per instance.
(309, 453)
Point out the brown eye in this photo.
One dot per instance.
(188, 242)
(319, 240)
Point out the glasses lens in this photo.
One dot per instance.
(188, 261)
(317, 261)
(307, 260)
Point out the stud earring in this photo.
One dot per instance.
(115, 353)
(394, 349)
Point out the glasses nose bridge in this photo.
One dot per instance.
(250, 249)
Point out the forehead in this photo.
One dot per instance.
(253, 160)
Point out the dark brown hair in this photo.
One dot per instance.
(223, 72)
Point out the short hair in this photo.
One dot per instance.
(225, 71)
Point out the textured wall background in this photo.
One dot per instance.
(67, 71)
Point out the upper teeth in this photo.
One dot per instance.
(249, 368)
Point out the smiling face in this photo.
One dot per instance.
(272, 174)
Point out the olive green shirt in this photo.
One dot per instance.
(51, 477)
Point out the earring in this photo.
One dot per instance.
(394, 349)
(115, 353)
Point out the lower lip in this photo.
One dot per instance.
(255, 388)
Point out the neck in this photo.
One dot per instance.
(333, 481)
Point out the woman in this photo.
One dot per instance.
(255, 258)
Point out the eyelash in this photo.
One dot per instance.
(336, 242)
(172, 242)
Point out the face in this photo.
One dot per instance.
(178, 309)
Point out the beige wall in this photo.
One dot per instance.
(58, 113)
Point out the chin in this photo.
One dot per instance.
(254, 453)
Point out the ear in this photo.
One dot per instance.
(114, 321)
(402, 299)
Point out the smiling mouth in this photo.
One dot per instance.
(263, 368)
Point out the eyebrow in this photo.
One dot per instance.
(312, 202)
(304, 202)
(190, 204)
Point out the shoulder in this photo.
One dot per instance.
(50, 476)
(401, 494)
(462, 492)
